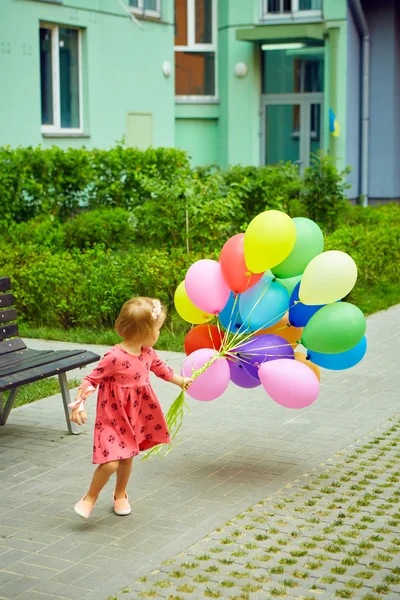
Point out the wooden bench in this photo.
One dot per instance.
(20, 365)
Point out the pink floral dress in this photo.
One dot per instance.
(129, 417)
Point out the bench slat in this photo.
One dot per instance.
(5, 284)
(8, 315)
(8, 331)
(55, 368)
(24, 360)
(11, 346)
(7, 361)
(6, 300)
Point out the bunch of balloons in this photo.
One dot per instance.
(273, 289)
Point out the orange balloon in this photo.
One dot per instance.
(301, 357)
(285, 330)
(233, 265)
(203, 336)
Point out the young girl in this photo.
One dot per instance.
(128, 416)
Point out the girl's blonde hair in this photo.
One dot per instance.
(138, 317)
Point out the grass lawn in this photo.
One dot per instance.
(39, 389)
(375, 298)
(172, 335)
(369, 299)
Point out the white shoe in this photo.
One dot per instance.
(83, 508)
(122, 506)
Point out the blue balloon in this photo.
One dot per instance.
(264, 304)
(341, 361)
(300, 314)
(232, 320)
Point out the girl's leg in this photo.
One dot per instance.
(101, 475)
(123, 475)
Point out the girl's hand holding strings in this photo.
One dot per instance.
(183, 382)
(186, 383)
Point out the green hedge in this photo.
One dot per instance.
(157, 186)
(143, 210)
(35, 181)
(376, 251)
(371, 216)
(113, 227)
(273, 187)
(88, 288)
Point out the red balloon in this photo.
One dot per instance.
(203, 336)
(233, 265)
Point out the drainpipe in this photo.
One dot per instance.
(366, 42)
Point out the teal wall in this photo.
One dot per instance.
(122, 71)
(335, 93)
(237, 129)
(200, 138)
(197, 130)
(238, 108)
(122, 78)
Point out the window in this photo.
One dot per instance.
(195, 49)
(60, 79)
(284, 8)
(308, 74)
(293, 71)
(146, 8)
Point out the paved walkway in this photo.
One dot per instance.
(235, 451)
(333, 533)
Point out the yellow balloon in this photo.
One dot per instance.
(186, 309)
(329, 277)
(269, 239)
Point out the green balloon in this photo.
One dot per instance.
(335, 328)
(309, 243)
(290, 283)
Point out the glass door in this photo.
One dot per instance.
(282, 133)
(291, 128)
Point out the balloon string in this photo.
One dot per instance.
(236, 296)
(248, 336)
(255, 305)
(219, 332)
(262, 348)
(238, 334)
(234, 358)
(284, 327)
(231, 319)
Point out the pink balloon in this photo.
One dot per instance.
(213, 382)
(290, 383)
(206, 286)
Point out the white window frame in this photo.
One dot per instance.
(146, 12)
(55, 65)
(191, 46)
(294, 13)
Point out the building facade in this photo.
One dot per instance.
(230, 81)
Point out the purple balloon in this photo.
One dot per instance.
(261, 349)
(240, 377)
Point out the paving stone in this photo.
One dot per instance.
(59, 590)
(203, 484)
(7, 577)
(19, 586)
(282, 547)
